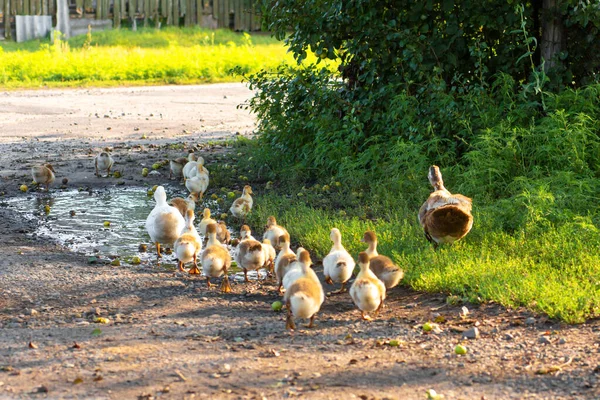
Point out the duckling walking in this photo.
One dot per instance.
(304, 297)
(216, 260)
(338, 264)
(177, 165)
(250, 255)
(445, 217)
(273, 232)
(164, 223)
(43, 175)
(243, 205)
(104, 162)
(188, 245)
(284, 260)
(206, 220)
(198, 183)
(367, 291)
(383, 267)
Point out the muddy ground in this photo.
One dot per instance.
(171, 337)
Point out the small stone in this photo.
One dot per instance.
(472, 333)
(544, 340)
(509, 336)
(31, 312)
(562, 341)
(204, 299)
(530, 321)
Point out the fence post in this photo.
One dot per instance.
(62, 18)
(7, 27)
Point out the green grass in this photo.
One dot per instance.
(147, 56)
(552, 271)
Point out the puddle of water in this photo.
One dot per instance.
(84, 232)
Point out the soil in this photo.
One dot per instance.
(169, 336)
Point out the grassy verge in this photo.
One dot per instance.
(147, 56)
(550, 269)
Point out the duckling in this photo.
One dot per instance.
(445, 217)
(367, 291)
(338, 264)
(198, 183)
(273, 231)
(176, 165)
(250, 254)
(191, 167)
(164, 223)
(206, 220)
(104, 161)
(270, 255)
(188, 245)
(383, 267)
(223, 234)
(216, 260)
(242, 205)
(304, 297)
(284, 259)
(183, 205)
(43, 175)
(295, 270)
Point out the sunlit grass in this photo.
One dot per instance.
(171, 56)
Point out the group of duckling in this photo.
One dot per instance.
(445, 218)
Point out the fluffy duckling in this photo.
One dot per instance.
(164, 223)
(445, 217)
(284, 259)
(295, 270)
(243, 205)
(250, 254)
(304, 296)
(216, 260)
(199, 182)
(191, 167)
(104, 162)
(188, 245)
(338, 264)
(270, 255)
(273, 231)
(367, 291)
(183, 205)
(223, 234)
(383, 267)
(43, 175)
(176, 165)
(206, 220)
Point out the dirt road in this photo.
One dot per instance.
(169, 336)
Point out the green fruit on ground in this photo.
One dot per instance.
(427, 327)
(277, 306)
(135, 260)
(214, 196)
(155, 166)
(150, 193)
(23, 188)
(460, 349)
(117, 174)
(230, 195)
(145, 172)
(116, 263)
(154, 188)
(224, 216)
(106, 224)
(47, 209)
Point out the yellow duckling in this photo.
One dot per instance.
(250, 255)
(338, 264)
(176, 165)
(367, 291)
(445, 217)
(296, 270)
(243, 205)
(383, 267)
(270, 255)
(104, 162)
(206, 220)
(164, 223)
(183, 205)
(188, 245)
(199, 182)
(223, 234)
(273, 231)
(216, 260)
(284, 259)
(304, 296)
(43, 175)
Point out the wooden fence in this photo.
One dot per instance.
(240, 15)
